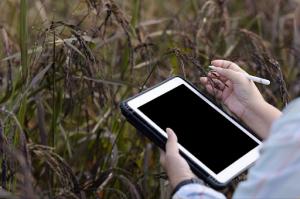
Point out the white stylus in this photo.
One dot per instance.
(250, 77)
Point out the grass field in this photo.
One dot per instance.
(66, 65)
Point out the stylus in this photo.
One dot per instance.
(250, 77)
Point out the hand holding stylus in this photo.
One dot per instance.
(230, 84)
(241, 96)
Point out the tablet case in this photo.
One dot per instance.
(160, 141)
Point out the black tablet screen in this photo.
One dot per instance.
(203, 131)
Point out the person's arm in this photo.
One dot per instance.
(178, 171)
(261, 117)
(276, 174)
(241, 96)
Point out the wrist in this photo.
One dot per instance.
(254, 109)
(193, 180)
(259, 116)
(178, 179)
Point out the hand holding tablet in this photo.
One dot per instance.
(176, 167)
(216, 153)
(213, 144)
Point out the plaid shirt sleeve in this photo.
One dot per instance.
(277, 172)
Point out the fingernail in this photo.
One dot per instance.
(168, 130)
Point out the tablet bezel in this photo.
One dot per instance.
(229, 172)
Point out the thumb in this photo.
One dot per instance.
(171, 146)
(234, 76)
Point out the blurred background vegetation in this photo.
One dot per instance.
(66, 65)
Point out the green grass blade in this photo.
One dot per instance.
(24, 39)
(136, 13)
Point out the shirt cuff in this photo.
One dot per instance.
(196, 191)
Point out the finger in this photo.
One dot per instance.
(215, 82)
(214, 87)
(203, 80)
(171, 146)
(234, 76)
(218, 84)
(226, 64)
(213, 91)
(214, 74)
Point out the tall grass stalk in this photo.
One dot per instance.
(66, 94)
(24, 39)
(136, 13)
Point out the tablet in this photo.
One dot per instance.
(214, 144)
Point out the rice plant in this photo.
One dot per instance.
(66, 65)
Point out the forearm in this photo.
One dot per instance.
(260, 118)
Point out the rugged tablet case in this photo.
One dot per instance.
(160, 141)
